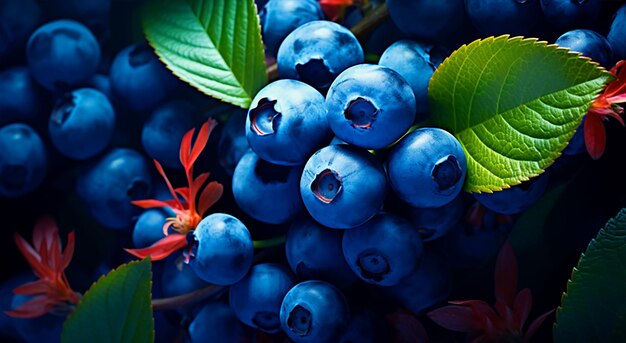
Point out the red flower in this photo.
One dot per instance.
(197, 198)
(480, 320)
(52, 291)
(603, 107)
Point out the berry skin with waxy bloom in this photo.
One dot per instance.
(51, 292)
(23, 160)
(198, 197)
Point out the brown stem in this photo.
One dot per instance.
(187, 298)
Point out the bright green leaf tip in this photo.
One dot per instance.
(514, 104)
(214, 45)
(594, 307)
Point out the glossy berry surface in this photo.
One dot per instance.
(178, 278)
(233, 143)
(280, 17)
(221, 249)
(18, 19)
(427, 168)
(590, 44)
(435, 222)
(149, 227)
(617, 33)
(81, 124)
(415, 62)
(384, 250)
(496, 17)
(427, 19)
(314, 253)
(370, 106)
(517, 198)
(256, 298)
(314, 311)
(318, 51)
(217, 322)
(62, 54)
(138, 79)
(23, 160)
(569, 14)
(287, 122)
(267, 192)
(21, 97)
(343, 186)
(167, 123)
(109, 184)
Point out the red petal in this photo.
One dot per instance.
(522, 307)
(336, 2)
(32, 288)
(150, 203)
(162, 248)
(481, 311)
(36, 307)
(45, 228)
(595, 136)
(457, 318)
(618, 86)
(201, 140)
(407, 328)
(210, 195)
(185, 148)
(31, 256)
(506, 276)
(167, 181)
(534, 326)
(183, 192)
(69, 251)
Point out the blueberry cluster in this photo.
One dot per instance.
(337, 155)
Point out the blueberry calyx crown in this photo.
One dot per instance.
(266, 320)
(447, 172)
(139, 55)
(326, 186)
(264, 118)
(316, 73)
(63, 109)
(362, 113)
(300, 321)
(373, 265)
(138, 189)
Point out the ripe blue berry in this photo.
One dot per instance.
(516, 199)
(343, 186)
(233, 143)
(139, 79)
(217, 323)
(21, 97)
(617, 33)
(427, 168)
(496, 17)
(178, 278)
(314, 253)
(416, 62)
(287, 122)
(149, 227)
(590, 44)
(469, 247)
(62, 54)
(427, 19)
(314, 311)
(434, 222)
(318, 51)
(81, 124)
(384, 250)
(92, 13)
(281, 17)
(110, 183)
(568, 14)
(167, 124)
(221, 250)
(23, 160)
(18, 20)
(370, 106)
(256, 298)
(265, 191)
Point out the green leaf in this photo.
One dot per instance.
(514, 104)
(214, 45)
(594, 307)
(116, 308)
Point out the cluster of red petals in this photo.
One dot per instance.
(481, 321)
(197, 198)
(605, 106)
(52, 290)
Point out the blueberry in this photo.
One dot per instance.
(314, 311)
(317, 52)
(429, 285)
(21, 98)
(217, 323)
(497, 17)
(62, 54)
(367, 327)
(149, 227)
(384, 250)
(435, 222)
(469, 247)
(18, 20)
(516, 199)
(381, 38)
(167, 124)
(23, 160)
(427, 168)
(617, 33)
(281, 17)
(370, 106)
(287, 122)
(314, 253)
(265, 191)
(568, 14)
(110, 183)
(416, 62)
(221, 249)
(233, 143)
(427, 19)
(139, 79)
(590, 44)
(343, 186)
(81, 124)
(256, 298)
(92, 13)
(46, 328)
(101, 83)
(178, 278)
